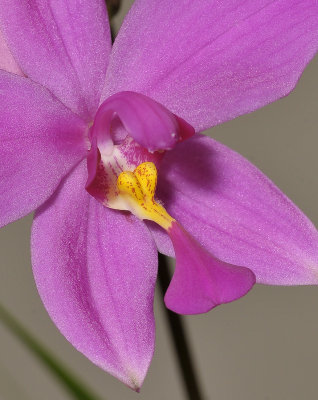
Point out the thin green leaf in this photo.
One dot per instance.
(65, 377)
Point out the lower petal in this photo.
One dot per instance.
(95, 270)
(237, 213)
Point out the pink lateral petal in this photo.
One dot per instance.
(95, 270)
(40, 142)
(200, 281)
(64, 45)
(237, 213)
(7, 62)
(211, 61)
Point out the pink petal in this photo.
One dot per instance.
(211, 61)
(40, 141)
(63, 45)
(95, 270)
(237, 213)
(7, 62)
(146, 121)
(200, 281)
(161, 238)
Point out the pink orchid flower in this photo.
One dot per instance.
(86, 126)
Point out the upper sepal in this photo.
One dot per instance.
(62, 45)
(211, 61)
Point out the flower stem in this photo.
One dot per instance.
(113, 7)
(70, 382)
(179, 337)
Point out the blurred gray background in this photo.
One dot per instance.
(263, 346)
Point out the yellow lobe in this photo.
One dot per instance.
(128, 185)
(138, 189)
(146, 173)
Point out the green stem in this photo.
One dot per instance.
(65, 377)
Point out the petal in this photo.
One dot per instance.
(211, 61)
(161, 239)
(7, 62)
(40, 141)
(200, 281)
(146, 121)
(62, 44)
(237, 213)
(95, 270)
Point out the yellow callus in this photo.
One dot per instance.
(137, 189)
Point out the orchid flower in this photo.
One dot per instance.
(88, 129)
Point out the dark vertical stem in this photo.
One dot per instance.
(113, 7)
(179, 337)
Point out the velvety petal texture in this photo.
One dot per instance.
(210, 61)
(7, 62)
(61, 44)
(40, 142)
(95, 270)
(200, 281)
(237, 213)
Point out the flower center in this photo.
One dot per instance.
(137, 189)
(129, 129)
